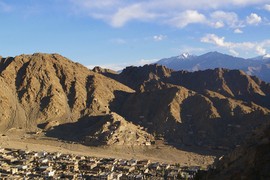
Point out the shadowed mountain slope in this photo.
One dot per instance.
(212, 109)
(249, 161)
(194, 107)
(230, 83)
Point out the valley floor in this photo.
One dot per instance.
(156, 153)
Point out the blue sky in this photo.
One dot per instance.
(118, 33)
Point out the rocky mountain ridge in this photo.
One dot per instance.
(212, 109)
(193, 102)
(44, 87)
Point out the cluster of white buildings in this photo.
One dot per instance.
(18, 164)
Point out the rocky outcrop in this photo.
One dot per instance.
(115, 130)
(48, 87)
(106, 72)
(135, 77)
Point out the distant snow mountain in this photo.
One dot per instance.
(264, 57)
(258, 66)
(186, 56)
(178, 59)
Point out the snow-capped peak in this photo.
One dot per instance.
(266, 56)
(185, 55)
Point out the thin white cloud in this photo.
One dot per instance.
(187, 17)
(258, 47)
(121, 66)
(233, 52)
(133, 12)
(228, 18)
(142, 62)
(267, 7)
(178, 13)
(238, 31)
(159, 37)
(260, 50)
(253, 19)
(218, 24)
(115, 67)
(214, 39)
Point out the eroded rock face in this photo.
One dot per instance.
(212, 108)
(12, 112)
(44, 87)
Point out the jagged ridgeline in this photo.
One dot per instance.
(40, 88)
(211, 108)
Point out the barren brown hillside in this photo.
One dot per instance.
(40, 88)
(211, 109)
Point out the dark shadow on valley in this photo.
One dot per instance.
(76, 131)
(215, 136)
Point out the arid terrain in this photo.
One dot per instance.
(151, 112)
(17, 139)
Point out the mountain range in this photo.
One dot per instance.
(258, 66)
(211, 108)
(214, 109)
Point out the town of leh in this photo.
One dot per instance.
(134, 90)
